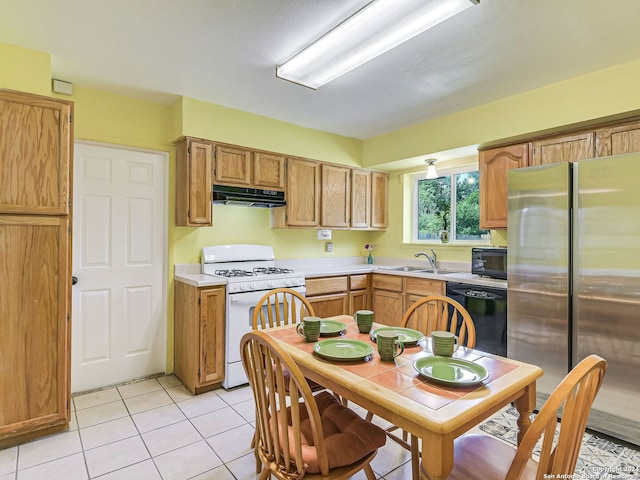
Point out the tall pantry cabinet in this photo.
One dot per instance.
(35, 264)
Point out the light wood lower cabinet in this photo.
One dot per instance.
(328, 296)
(199, 322)
(359, 293)
(338, 295)
(35, 322)
(393, 294)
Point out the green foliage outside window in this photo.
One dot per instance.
(435, 199)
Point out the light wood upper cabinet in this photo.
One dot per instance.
(336, 196)
(242, 167)
(494, 165)
(379, 199)
(36, 141)
(268, 170)
(566, 148)
(303, 195)
(360, 198)
(618, 140)
(199, 322)
(232, 166)
(194, 160)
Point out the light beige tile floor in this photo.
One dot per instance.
(155, 430)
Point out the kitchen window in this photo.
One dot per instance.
(449, 203)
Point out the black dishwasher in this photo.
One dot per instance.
(488, 309)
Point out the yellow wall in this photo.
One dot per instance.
(599, 94)
(252, 225)
(25, 70)
(104, 117)
(609, 93)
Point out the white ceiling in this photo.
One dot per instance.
(225, 52)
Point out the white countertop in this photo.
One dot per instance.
(313, 268)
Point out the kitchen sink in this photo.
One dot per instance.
(408, 268)
(411, 268)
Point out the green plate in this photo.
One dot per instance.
(451, 371)
(331, 328)
(407, 336)
(343, 350)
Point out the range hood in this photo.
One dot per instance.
(249, 197)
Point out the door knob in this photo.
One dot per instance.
(74, 280)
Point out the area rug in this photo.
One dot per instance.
(600, 458)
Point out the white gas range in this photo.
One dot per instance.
(250, 272)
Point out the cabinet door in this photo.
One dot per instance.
(336, 196)
(424, 286)
(193, 183)
(494, 164)
(379, 196)
(212, 301)
(35, 136)
(388, 307)
(569, 148)
(34, 320)
(330, 305)
(358, 300)
(268, 171)
(360, 198)
(303, 193)
(618, 140)
(233, 166)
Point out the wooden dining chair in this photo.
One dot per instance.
(478, 457)
(281, 306)
(278, 307)
(299, 434)
(437, 312)
(433, 312)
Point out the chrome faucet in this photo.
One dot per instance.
(432, 258)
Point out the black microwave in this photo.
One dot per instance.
(489, 262)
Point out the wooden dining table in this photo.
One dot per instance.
(435, 412)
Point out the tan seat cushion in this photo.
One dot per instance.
(348, 437)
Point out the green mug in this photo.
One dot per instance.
(309, 328)
(364, 319)
(444, 343)
(389, 346)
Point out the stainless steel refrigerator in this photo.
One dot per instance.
(574, 279)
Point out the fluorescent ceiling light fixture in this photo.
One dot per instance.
(370, 32)
(431, 169)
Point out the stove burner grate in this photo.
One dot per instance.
(271, 270)
(234, 273)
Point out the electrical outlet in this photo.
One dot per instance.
(328, 247)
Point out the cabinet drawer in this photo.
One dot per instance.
(358, 282)
(421, 286)
(320, 286)
(387, 282)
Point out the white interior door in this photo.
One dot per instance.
(119, 259)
